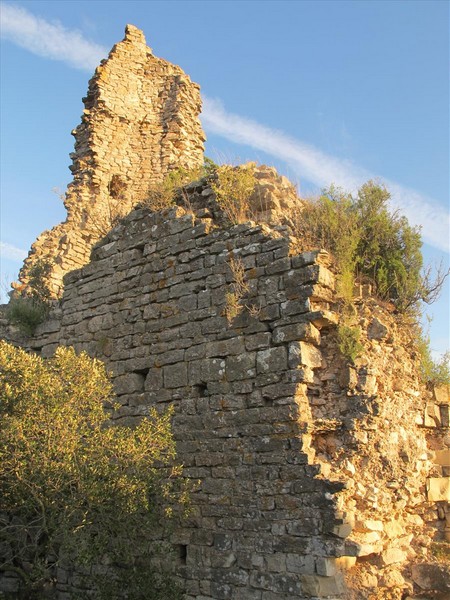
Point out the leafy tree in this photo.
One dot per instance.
(73, 487)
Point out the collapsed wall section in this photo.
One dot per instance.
(140, 121)
(312, 471)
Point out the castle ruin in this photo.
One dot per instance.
(319, 479)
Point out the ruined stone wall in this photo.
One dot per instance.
(312, 471)
(140, 121)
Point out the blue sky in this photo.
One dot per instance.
(328, 92)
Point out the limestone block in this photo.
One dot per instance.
(393, 555)
(442, 457)
(377, 330)
(306, 332)
(328, 567)
(343, 530)
(432, 417)
(438, 489)
(129, 383)
(442, 394)
(315, 585)
(272, 359)
(302, 353)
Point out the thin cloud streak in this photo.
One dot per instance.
(54, 41)
(50, 40)
(12, 252)
(322, 169)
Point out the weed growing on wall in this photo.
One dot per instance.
(233, 187)
(348, 341)
(163, 195)
(73, 488)
(234, 299)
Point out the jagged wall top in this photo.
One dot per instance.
(140, 121)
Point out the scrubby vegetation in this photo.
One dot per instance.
(233, 187)
(373, 244)
(370, 242)
(73, 487)
(29, 309)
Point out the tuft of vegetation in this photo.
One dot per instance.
(75, 489)
(30, 309)
(233, 299)
(348, 341)
(163, 195)
(233, 187)
(441, 551)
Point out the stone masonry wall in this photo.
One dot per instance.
(312, 471)
(140, 121)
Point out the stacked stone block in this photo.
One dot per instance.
(305, 490)
(140, 122)
(151, 303)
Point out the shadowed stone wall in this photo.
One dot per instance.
(312, 471)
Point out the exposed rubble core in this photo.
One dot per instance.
(140, 121)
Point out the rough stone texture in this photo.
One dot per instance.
(312, 470)
(140, 121)
(318, 478)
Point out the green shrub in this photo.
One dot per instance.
(371, 243)
(26, 313)
(348, 341)
(163, 195)
(72, 487)
(433, 372)
(31, 308)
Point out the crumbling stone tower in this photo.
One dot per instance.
(140, 121)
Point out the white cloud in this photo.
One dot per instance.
(321, 169)
(11, 252)
(50, 40)
(53, 40)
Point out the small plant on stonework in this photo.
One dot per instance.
(233, 300)
(163, 195)
(31, 308)
(233, 188)
(348, 341)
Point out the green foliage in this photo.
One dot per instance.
(71, 486)
(26, 313)
(348, 341)
(30, 309)
(233, 187)
(441, 551)
(370, 242)
(209, 167)
(433, 372)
